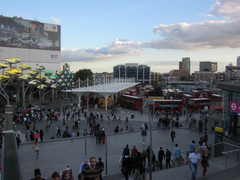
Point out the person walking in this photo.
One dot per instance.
(204, 161)
(103, 135)
(58, 131)
(168, 158)
(173, 135)
(194, 159)
(37, 175)
(41, 135)
(144, 135)
(177, 154)
(161, 156)
(192, 146)
(126, 166)
(100, 166)
(35, 147)
(126, 151)
(92, 171)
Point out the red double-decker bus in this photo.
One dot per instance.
(186, 98)
(166, 105)
(131, 102)
(133, 92)
(199, 103)
(206, 93)
(137, 89)
(216, 97)
(196, 93)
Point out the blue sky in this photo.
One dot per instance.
(99, 34)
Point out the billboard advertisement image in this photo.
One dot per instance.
(20, 33)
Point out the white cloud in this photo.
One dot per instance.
(116, 49)
(204, 35)
(182, 36)
(56, 20)
(228, 8)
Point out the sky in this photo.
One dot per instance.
(100, 34)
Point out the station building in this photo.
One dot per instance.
(231, 107)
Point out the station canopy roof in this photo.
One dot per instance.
(104, 89)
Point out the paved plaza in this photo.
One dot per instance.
(56, 153)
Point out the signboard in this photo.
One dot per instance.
(234, 106)
(20, 33)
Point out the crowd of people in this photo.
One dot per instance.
(89, 170)
(136, 163)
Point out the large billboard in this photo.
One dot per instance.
(20, 33)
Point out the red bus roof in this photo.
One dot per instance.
(167, 100)
(199, 99)
(134, 97)
(217, 95)
(187, 95)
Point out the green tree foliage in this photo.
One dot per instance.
(157, 90)
(83, 74)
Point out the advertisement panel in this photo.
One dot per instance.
(234, 106)
(20, 33)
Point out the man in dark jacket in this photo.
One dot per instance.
(126, 166)
(161, 156)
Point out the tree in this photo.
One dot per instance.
(83, 74)
(157, 90)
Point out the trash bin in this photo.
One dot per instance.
(219, 132)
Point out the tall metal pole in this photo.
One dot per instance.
(119, 74)
(150, 151)
(85, 144)
(106, 165)
(23, 95)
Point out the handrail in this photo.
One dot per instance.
(227, 152)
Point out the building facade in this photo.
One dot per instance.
(141, 73)
(231, 107)
(177, 75)
(204, 77)
(185, 64)
(238, 65)
(208, 66)
(157, 77)
(32, 42)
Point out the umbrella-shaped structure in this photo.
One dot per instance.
(40, 67)
(12, 60)
(24, 67)
(3, 77)
(48, 73)
(41, 86)
(2, 66)
(13, 71)
(48, 81)
(41, 77)
(33, 72)
(54, 77)
(25, 77)
(34, 82)
(54, 86)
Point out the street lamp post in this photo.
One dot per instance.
(150, 151)
(106, 165)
